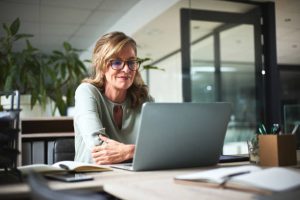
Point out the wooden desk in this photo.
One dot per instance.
(136, 185)
(140, 185)
(161, 185)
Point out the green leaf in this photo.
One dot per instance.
(67, 46)
(33, 99)
(63, 71)
(61, 105)
(87, 60)
(52, 74)
(70, 96)
(8, 84)
(78, 50)
(14, 27)
(82, 67)
(58, 53)
(148, 67)
(30, 47)
(23, 35)
(142, 60)
(43, 97)
(7, 30)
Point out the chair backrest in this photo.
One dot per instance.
(64, 149)
(11, 107)
(9, 129)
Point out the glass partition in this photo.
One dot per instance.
(292, 121)
(220, 72)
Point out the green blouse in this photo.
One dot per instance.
(94, 111)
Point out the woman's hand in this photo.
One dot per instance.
(111, 152)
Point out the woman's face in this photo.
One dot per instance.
(120, 79)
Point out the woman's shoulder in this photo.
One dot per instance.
(87, 88)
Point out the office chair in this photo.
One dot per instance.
(64, 149)
(41, 191)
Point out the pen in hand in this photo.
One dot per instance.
(64, 167)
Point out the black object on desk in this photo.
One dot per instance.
(41, 191)
(233, 158)
(70, 177)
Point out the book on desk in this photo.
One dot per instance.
(63, 166)
(246, 178)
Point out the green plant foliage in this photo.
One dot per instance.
(10, 62)
(148, 67)
(67, 70)
(53, 76)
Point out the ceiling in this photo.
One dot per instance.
(154, 24)
(164, 31)
(54, 21)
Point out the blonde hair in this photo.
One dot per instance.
(107, 47)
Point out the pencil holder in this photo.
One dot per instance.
(277, 150)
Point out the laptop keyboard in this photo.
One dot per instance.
(126, 166)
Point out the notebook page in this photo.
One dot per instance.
(217, 175)
(274, 179)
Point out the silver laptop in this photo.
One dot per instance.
(179, 135)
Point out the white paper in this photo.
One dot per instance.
(74, 164)
(38, 168)
(273, 179)
(217, 175)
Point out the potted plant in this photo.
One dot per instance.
(43, 77)
(66, 71)
(18, 70)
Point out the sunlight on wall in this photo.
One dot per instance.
(166, 86)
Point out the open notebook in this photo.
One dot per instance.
(246, 178)
(63, 166)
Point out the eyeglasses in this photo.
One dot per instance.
(118, 64)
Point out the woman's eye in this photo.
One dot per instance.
(117, 62)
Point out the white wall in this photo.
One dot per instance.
(166, 86)
(142, 13)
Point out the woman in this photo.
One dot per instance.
(111, 99)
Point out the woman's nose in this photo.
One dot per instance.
(126, 68)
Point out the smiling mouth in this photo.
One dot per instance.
(124, 77)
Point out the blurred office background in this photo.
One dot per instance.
(211, 50)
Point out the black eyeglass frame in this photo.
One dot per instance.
(125, 62)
